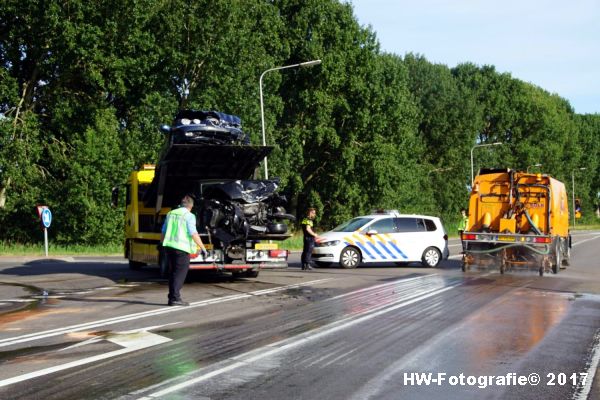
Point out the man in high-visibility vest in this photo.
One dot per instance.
(180, 239)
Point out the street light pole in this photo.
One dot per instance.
(473, 148)
(573, 182)
(262, 108)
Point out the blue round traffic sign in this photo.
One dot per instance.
(46, 217)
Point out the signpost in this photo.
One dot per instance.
(46, 219)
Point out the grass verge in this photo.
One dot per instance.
(33, 250)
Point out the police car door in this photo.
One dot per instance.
(379, 238)
(407, 239)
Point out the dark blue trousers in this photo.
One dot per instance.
(179, 264)
(309, 244)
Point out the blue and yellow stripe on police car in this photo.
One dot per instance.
(392, 243)
(376, 247)
(373, 244)
(356, 240)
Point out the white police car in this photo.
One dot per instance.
(386, 236)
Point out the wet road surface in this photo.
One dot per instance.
(103, 332)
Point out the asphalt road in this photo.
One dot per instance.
(91, 328)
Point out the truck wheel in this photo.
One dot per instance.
(541, 271)
(349, 258)
(135, 265)
(236, 275)
(556, 257)
(431, 257)
(251, 273)
(566, 261)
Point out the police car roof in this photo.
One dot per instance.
(394, 213)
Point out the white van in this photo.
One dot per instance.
(384, 237)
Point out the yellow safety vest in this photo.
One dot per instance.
(177, 236)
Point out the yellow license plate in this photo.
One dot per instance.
(208, 246)
(506, 238)
(266, 246)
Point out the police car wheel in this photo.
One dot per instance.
(431, 257)
(350, 258)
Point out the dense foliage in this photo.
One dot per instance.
(84, 86)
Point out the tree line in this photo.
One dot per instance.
(85, 85)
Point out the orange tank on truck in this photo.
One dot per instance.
(517, 219)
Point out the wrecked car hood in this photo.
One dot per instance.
(182, 166)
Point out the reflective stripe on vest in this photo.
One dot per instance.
(177, 236)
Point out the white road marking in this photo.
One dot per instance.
(591, 371)
(245, 359)
(85, 342)
(163, 310)
(19, 300)
(131, 341)
(583, 241)
(371, 288)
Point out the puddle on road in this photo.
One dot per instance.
(42, 302)
(509, 327)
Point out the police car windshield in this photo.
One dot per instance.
(352, 225)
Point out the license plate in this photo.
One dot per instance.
(266, 246)
(208, 246)
(506, 238)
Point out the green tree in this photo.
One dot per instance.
(448, 125)
(346, 133)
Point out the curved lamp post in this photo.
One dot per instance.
(573, 182)
(473, 148)
(262, 108)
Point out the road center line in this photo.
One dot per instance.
(163, 310)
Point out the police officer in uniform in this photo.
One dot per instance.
(180, 239)
(309, 238)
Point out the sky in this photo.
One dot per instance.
(554, 44)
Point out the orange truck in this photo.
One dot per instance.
(517, 219)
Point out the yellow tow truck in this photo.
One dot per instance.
(239, 219)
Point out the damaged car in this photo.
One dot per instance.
(206, 127)
(207, 155)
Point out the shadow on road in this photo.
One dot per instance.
(111, 269)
